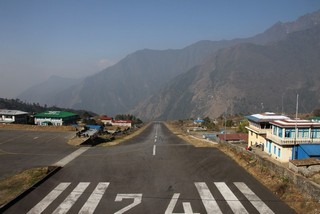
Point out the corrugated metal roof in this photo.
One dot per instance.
(266, 117)
(11, 112)
(311, 149)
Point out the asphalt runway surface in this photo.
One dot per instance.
(154, 172)
(21, 150)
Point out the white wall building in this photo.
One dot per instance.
(286, 135)
(13, 116)
(259, 126)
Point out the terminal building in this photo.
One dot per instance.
(282, 138)
(56, 118)
(13, 116)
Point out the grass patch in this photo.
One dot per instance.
(13, 186)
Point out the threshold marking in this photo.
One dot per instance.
(207, 198)
(253, 198)
(231, 199)
(46, 201)
(94, 199)
(72, 198)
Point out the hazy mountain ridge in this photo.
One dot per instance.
(246, 78)
(127, 85)
(44, 92)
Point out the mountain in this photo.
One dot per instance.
(118, 89)
(243, 79)
(127, 85)
(44, 92)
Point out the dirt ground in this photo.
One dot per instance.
(37, 128)
(282, 187)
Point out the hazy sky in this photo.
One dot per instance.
(77, 38)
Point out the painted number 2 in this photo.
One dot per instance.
(136, 200)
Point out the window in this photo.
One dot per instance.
(274, 149)
(315, 133)
(279, 152)
(303, 133)
(274, 130)
(289, 133)
(280, 132)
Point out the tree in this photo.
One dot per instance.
(316, 112)
(133, 118)
(209, 124)
(242, 126)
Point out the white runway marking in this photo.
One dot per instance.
(46, 201)
(94, 198)
(172, 203)
(71, 157)
(207, 199)
(154, 150)
(231, 199)
(253, 198)
(72, 198)
(89, 206)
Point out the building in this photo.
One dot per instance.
(198, 121)
(127, 123)
(106, 120)
(13, 116)
(293, 139)
(56, 118)
(259, 126)
(233, 138)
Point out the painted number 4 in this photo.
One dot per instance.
(187, 209)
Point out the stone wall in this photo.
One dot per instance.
(302, 183)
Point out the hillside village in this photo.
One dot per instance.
(274, 134)
(87, 128)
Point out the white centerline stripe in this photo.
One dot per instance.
(94, 198)
(154, 150)
(207, 198)
(46, 201)
(253, 198)
(231, 199)
(72, 198)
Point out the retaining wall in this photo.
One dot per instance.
(302, 183)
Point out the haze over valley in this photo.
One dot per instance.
(207, 78)
(165, 60)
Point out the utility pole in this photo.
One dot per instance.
(296, 130)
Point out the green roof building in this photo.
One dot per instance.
(56, 118)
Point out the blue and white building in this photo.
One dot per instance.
(293, 139)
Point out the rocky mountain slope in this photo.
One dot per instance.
(126, 86)
(245, 78)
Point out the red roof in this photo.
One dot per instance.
(105, 117)
(234, 137)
